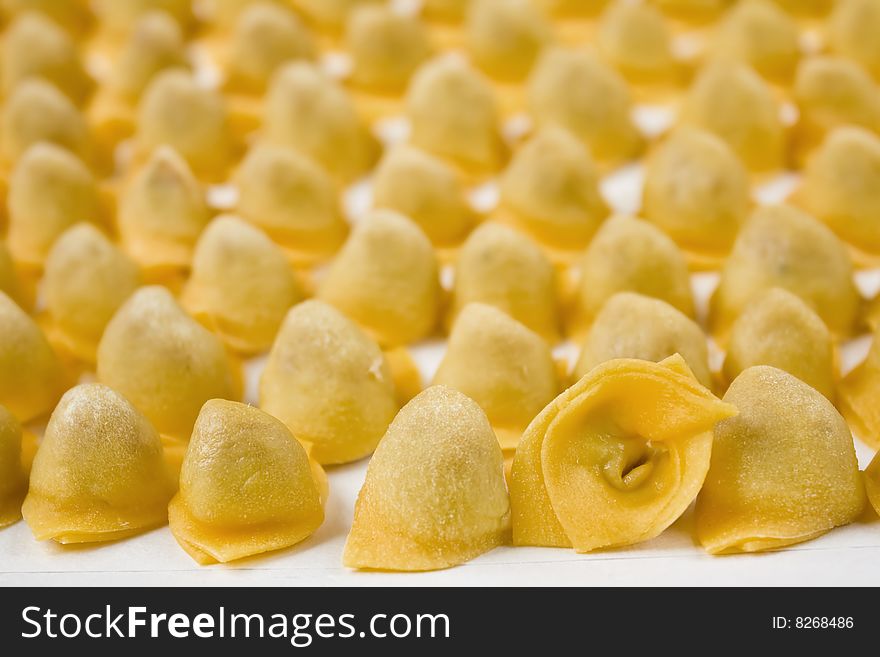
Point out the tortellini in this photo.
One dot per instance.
(858, 396)
(852, 32)
(246, 486)
(117, 16)
(783, 471)
(503, 366)
(98, 474)
(434, 494)
(616, 458)
(872, 482)
(778, 328)
(781, 246)
(386, 278)
(330, 15)
(241, 285)
(501, 267)
(329, 383)
(550, 189)
(13, 474)
(635, 39)
(73, 16)
(577, 91)
(635, 326)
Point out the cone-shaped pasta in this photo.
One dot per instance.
(635, 326)
(330, 15)
(858, 394)
(246, 486)
(175, 111)
(72, 16)
(35, 47)
(116, 17)
(635, 39)
(852, 32)
(434, 495)
(692, 10)
(501, 267)
(13, 477)
(37, 111)
(616, 458)
(453, 114)
(425, 189)
(779, 329)
(551, 190)
(267, 35)
(503, 366)
(50, 190)
(241, 285)
(98, 474)
(732, 101)
(631, 255)
(780, 246)
(329, 383)
(872, 482)
(85, 282)
(162, 212)
(293, 200)
(309, 112)
(697, 192)
(783, 471)
(386, 279)
(577, 91)
(164, 361)
(841, 186)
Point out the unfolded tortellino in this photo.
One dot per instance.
(99, 474)
(308, 111)
(164, 362)
(434, 495)
(454, 114)
(427, 190)
(852, 29)
(697, 191)
(781, 246)
(635, 326)
(294, 200)
(503, 366)
(579, 92)
(329, 382)
(731, 100)
(630, 255)
(783, 471)
(386, 279)
(162, 212)
(550, 190)
(241, 285)
(616, 458)
(872, 482)
(502, 267)
(857, 396)
(50, 190)
(86, 279)
(778, 328)
(13, 473)
(246, 486)
(636, 40)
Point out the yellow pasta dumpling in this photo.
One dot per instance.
(294, 200)
(577, 91)
(241, 285)
(86, 280)
(857, 396)
(98, 474)
(779, 329)
(50, 190)
(329, 383)
(162, 213)
(503, 268)
(13, 474)
(73, 15)
(330, 15)
(872, 482)
(630, 255)
(116, 17)
(635, 326)
(783, 471)
(164, 361)
(503, 366)
(246, 486)
(453, 114)
(550, 189)
(852, 32)
(731, 100)
(781, 246)
(635, 39)
(427, 190)
(308, 111)
(616, 458)
(386, 279)
(434, 494)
